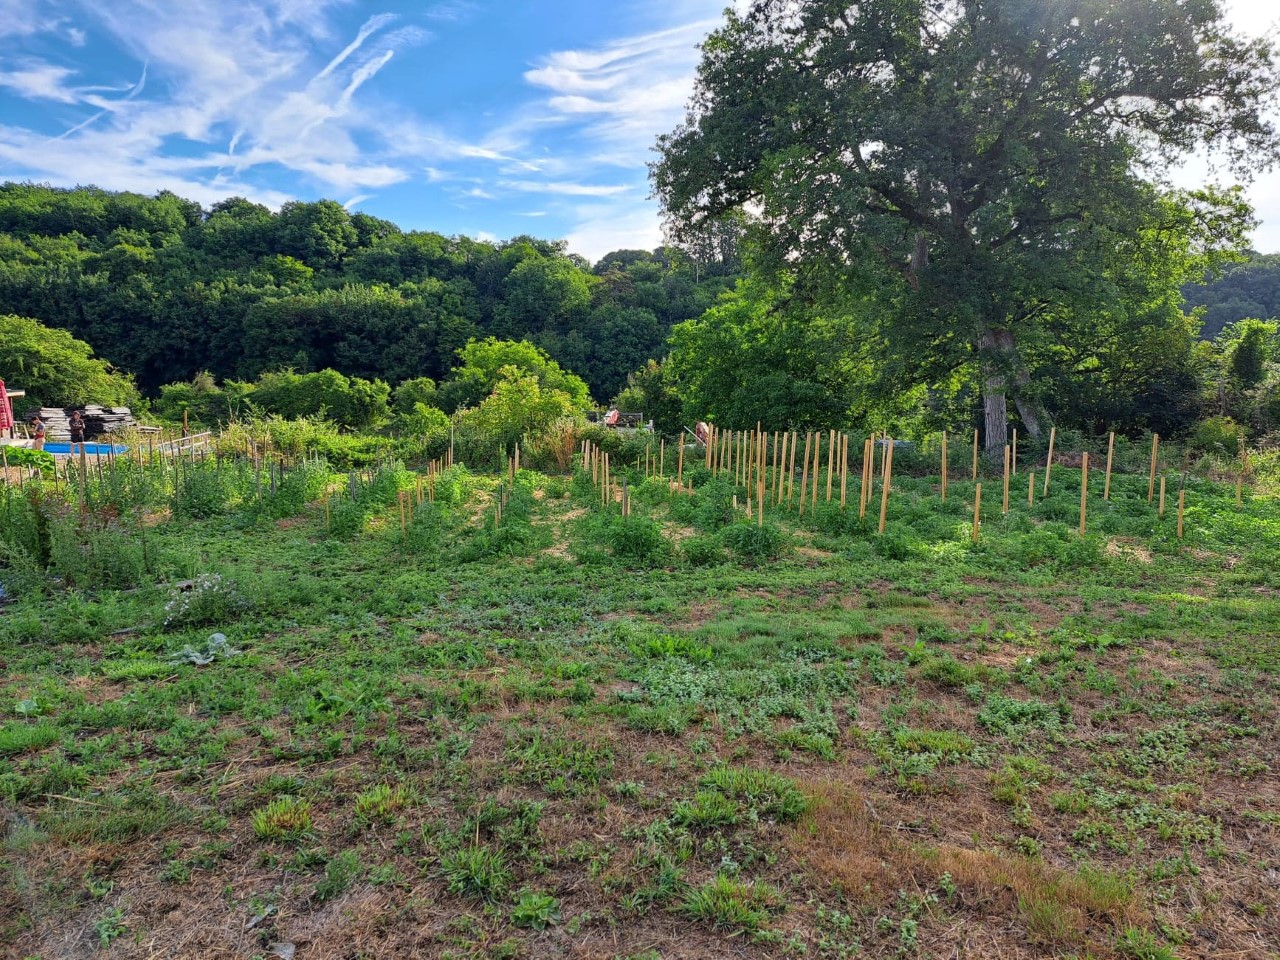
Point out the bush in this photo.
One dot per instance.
(635, 538)
(201, 491)
(754, 543)
(96, 553)
(1218, 435)
(703, 551)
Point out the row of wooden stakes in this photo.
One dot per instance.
(765, 463)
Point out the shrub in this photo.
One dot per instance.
(1218, 435)
(702, 551)
(637, 539)
(201, 491)
(754, 542)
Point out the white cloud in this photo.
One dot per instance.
(617, 98)
(450, 11)
(605, 228)
(565, 189)
(39, 81)
(269, 80)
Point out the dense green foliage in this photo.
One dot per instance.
(165, 289)
(981, 169)
(56, 369)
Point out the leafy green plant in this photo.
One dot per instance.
(535, 910)
(754, 542)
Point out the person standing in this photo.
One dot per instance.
(37, 433)
(77, 430)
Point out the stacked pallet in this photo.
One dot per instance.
(97, 421)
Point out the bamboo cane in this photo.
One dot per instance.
(1111, 450)
(680, 465)
(888, 483)
(1151, 485)
(1048, 467)
(1084, 493)
(977, 511)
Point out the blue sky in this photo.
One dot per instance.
(490, 118)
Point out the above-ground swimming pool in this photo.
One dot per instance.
(90, 449)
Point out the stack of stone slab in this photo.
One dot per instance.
(97, 420)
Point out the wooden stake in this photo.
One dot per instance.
(977, 511)
(944, 466)
(1111, 450)
(1084, 492)
(866, 477)
(1182, 502)
(804, 476)
(831, 463)
(817, 468)
(975, 456)
(1031, 489)
(1048, 466)
(844, 468)
(791, 469)
(888, 483)
(1161, 514)
(1151, 485)
(1005, 507)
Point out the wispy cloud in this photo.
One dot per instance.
(39, 81)
(450, 10)
(566, 189)
(244, 84)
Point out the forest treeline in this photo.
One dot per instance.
(313, 310)
(165, 289)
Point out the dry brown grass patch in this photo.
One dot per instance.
(844, 843)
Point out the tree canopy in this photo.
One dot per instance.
(166, 289)
(56, 369)
(981, 164)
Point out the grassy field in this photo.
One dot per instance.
(678, 734)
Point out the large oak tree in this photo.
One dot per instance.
(980, 162)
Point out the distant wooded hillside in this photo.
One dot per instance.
(164, 288)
